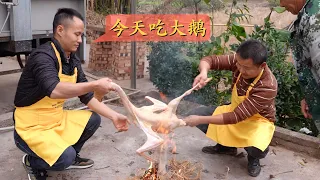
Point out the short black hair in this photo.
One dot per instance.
(64, 14)
(254, 50)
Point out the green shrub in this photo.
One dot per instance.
(168, 70)
(173, 68)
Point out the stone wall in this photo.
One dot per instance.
(114, 58)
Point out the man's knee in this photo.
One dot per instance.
(256, 153)
(94, 121)
(203, 127)
(66, 159)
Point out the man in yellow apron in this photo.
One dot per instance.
(248, 122)
(50, 136)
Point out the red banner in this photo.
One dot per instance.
(156, 27)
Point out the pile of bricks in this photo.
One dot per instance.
(115, 57)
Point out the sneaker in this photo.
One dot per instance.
(33, 174)
(220, 149)
(254, 167)
(81, 163)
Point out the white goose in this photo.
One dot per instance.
(158, 115)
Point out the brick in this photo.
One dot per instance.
(121, 64)
(106, 46)
(127, 64)
(121, 71)
(98, 46)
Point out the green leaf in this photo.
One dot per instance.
(238, 15)
(226, 39)
(283, 35)
(239, 30)
(218, 40)
(279, 9)
(207, 1)
(240, 10)
(234, 2)
(257, 28)
(213, 38)
(246, 8)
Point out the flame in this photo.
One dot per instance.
(173, 144)
(174, 147)
(163, 97)
(161, 129)
(151, 173)
(151, 164)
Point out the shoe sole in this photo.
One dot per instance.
(79, 167)
(24, 165)
(254, 175)
(221, 153)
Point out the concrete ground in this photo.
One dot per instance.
(115, 158)
(8, 84)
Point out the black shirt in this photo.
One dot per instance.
(40, 75)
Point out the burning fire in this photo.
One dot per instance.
(162, 168)
(151, 173)
(163, 97)
(159, 169)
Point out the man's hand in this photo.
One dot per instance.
(192, 120)
(305, 109)
(103, 86)
(120, 122)
(201, 78)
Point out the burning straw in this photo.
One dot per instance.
(176, 170)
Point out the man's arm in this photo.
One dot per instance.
(260, 98)
(218, 62)
(223, 62)
(65, 90)
(45, 71)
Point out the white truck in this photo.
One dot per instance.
(26, 24)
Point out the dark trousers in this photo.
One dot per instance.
(67, 157)
(208, 111)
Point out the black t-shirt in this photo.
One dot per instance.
(40, 75)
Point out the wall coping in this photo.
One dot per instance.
(100, 28)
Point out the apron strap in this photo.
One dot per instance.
(58, 56)
(254, 82)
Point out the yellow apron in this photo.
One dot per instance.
(254, 131)
(46, 127)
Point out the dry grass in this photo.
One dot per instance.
(177, 170)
